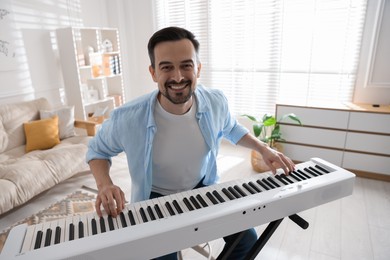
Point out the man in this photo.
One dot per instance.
(171, 136)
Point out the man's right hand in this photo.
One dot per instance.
(112, 198)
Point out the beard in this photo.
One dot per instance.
(178, 97)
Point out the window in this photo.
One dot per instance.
(263, 52)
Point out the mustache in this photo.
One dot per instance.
(170, 82)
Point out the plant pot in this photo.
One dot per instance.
(257, 161)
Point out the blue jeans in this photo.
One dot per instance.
(240, 251)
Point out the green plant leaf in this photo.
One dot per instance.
(257, 128)
(269, 121)
(292, 116)
(276, 130)
(252, 118)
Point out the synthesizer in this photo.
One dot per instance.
(156, 227)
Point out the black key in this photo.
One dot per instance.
(228, 194)
(110, 223)
(102, 225)
(254, 186)
(202, 201)
(151, 214)
(48, 237)
(281, 179)
(271, 180)
(57, 236)
(218, 196)
(234, 192)
(196, 204)
(268, 184)
(170, 209)
(143, 215)
(131, 217)
(81, 229)
(292, 174)
(71, 231)
(262, 184)
(158, 211)
(285, 177)
(304, 174)
(177, 206)
(315, 170)
(94, 227)
(322, 169)
(188, 204)
(301, 176)
(239, 190)
(38, 240)
(312, 172)
(249, 188)
(211, 198)
(123, 219)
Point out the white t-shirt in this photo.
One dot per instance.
(179, 150)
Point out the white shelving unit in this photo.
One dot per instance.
(91, 66)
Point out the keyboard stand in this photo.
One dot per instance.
(263, 239)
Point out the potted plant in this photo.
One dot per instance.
(267, 129)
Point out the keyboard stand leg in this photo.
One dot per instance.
(226, 252)
(263, 239)
(260, 243)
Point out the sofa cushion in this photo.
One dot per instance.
(41, 134)
(65, 120)
(12, 117)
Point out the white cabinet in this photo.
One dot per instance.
(91, 66)
(356, 140)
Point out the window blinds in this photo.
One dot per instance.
(260, 53)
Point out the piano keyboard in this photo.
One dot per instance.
(159, 226)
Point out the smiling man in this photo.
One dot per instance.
(172, 136)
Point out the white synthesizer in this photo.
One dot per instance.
(156, 227)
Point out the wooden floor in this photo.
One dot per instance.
(355, 227)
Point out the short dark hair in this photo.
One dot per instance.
(170, 34)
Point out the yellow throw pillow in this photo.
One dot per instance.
(41, 134)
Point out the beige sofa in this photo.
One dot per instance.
(24, 175)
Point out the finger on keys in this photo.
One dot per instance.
(290, 164)
(119, 198)
(285, 163)
(98, 203)
(112, 207)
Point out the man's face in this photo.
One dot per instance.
(176, 71)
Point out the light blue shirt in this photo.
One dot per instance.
(131, 129)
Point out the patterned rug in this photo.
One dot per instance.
(77, 203)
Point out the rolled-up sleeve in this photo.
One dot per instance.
(233, 131)
(106, 142)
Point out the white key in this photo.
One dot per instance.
(28, 239)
